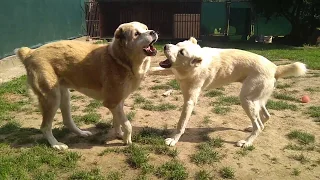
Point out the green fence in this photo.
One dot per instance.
(35, 22)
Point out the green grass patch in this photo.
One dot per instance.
(90, 118)
(285, 97)
(221, 110)
(174, 84)
(206, 120)
(314, 112)
(159, 107)
(160, 87)
(93, 105)
(130, 115)
(245, 151)
(172, 170)
(10, 127)
(206, 153)
(34, 162)
(302, 137)
(203, 175)
(296, 172)
(227, 101)
(93, 174)
(283, 86)
(227, 173)
(213, 93)
(137, 157)
(16, 86)
(301, 158)
(114, 175)
(308, 55)
(315, 89)
(138, 99)
(281, 105)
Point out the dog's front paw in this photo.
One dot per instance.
(244, 143)
(127, 141)
(60, 146)
(170, 142)
(85, 133)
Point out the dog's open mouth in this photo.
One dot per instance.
(150, 50)
(165, 64)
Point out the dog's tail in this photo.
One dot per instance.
(293, 69)
(23, 53)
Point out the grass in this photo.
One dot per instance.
(172, 170)
(316, 89)
(228, 100)
(87, 175)
(221, 110)
(314, 112)
(273, 52)
(90, 118)
(296, 172)
(301, 158)
(160, 87)
(159, 107)
(245, 151)
(302, 137)
(93, 105)
(203, 175)
(137, 157)
(10, 127)
(285, 97)
(206, 120)
(213, 93)
(174, 84)
(34, 162)
(130, 115)
(227, 173)
(283, 86)
(206, 153)
(138, 99)
(114, 175)
(281, 105)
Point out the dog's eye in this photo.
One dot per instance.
(181, 52)
(137, 33)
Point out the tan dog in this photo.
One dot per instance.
(104, 72)
(198, 68)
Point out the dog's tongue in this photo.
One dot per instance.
(150, 49)
(165, 64)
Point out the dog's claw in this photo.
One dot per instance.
(244, 143)
(170, 142)
(60, 146)
(85, 133)
(249, 129)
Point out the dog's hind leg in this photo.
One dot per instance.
(66, 114)
(49, 105)
(252, 109)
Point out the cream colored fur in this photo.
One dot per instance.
(104, 72)
(199, 68)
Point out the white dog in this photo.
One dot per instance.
(198, 68)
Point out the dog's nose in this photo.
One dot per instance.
(152, 33)
(165, 47)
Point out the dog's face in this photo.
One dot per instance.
(135, 38)
(182, 55)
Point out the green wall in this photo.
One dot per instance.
(213, 17)
(35, 22)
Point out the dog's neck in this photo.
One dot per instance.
(136, 66)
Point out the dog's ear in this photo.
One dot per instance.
(193, 40)
(119, 34)
(196, 62)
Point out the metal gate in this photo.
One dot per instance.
(92, 19)
(171, 19)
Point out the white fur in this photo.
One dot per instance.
(219, 67)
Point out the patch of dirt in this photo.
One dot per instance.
(269, 159)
